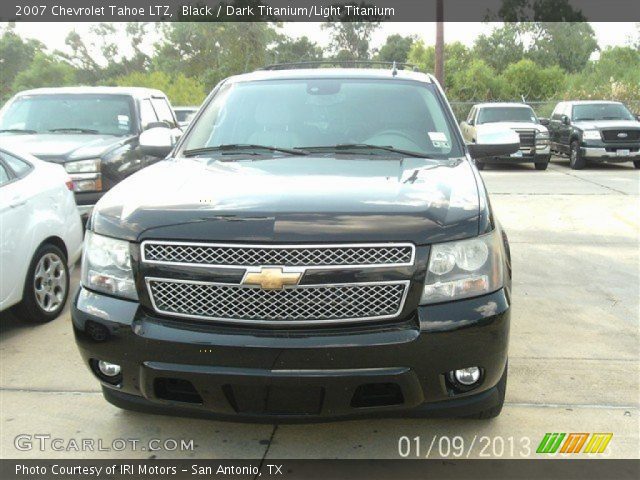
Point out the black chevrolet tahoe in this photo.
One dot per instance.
(318, 245)
(92, 131)
(595, 131)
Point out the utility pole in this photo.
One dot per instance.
(440, 41)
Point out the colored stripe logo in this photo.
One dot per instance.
(574, 443)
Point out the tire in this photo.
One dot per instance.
(636, 163)
(480, 165)
(46, 288)
(495, 410)
(541, 165)
(576, 160)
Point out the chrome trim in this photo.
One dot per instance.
(280, 246)
(591, 152)
(403, 300)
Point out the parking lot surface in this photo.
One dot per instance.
(574, 354)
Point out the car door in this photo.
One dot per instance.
(554, 125)
(565, 130)
(16, 196)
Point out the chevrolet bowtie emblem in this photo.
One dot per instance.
(271, 278)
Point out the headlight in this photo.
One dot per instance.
(542, 136)
(591, 135)
(87, 182)
(106, 266)
(83, 166)
(464, 269)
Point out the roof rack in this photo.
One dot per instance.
(341, 64)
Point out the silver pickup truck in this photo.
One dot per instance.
(534, 137)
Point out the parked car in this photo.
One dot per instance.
(40, 236)
(595, 131)
(318, 244)
(185, 115)
(92, 131)
(534, 137)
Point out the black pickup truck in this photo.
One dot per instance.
(319, 244)
(595, 131)
(92, 131)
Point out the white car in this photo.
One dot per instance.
(40, 236)
(534, 137)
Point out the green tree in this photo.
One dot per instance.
(44, 71)
(211, 51)
(288, 50)
(350, 40)
(396, 48)
(16, 54)
(502, 47)
(525, 79)
(477, 82)
(568, 45)
(539, 10)
(180, 89)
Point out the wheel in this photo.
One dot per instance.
(576, 161)
(480, 165)
(541, 165)
(636, 163)
(47, 286)
(495, 410)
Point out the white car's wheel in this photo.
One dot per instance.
(47, 286)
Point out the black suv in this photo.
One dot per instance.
(92, 131)
(595, 131)
(318, 245)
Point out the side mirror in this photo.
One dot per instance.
(544, 121)
(151, 125)
(638, 117)
(494, 142)
(157, 141)
(565, 120)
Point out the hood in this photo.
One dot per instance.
(604, 124)
(514, 126)
(62, 147)
(295, 199)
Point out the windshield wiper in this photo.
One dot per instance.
(17, 130)
(74, 129)
(357, 147)
(239, 148)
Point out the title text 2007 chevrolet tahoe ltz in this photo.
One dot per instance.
(317, 245)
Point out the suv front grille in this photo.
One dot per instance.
(614, 135)
(527, 138)
(310, 256)
(302, 304)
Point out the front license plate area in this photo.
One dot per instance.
(623, 152)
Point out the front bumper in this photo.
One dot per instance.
(611, 153)
(321, 373)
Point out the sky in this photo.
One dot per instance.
(608, 34)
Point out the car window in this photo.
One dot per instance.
(163, 110)
(147, 113)
(19, 166)
(522, 114)
(471, 114)
(601, 111)
(325, 113)
(63, 113)
(557, 112)
(4, 175)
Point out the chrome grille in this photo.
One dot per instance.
(527, 138)
(307, 304)
(309, 256)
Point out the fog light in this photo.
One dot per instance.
(108, 369)
(467, 376)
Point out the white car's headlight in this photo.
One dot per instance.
(591, 135)
(83, 166)
(106, 266)
(464, 269)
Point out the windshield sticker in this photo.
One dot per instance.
(123, 122)
(439, 140)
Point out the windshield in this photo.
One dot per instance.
(601, 111)
(69, 113)
(324, 113)
(184, 115)
(507, 114)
